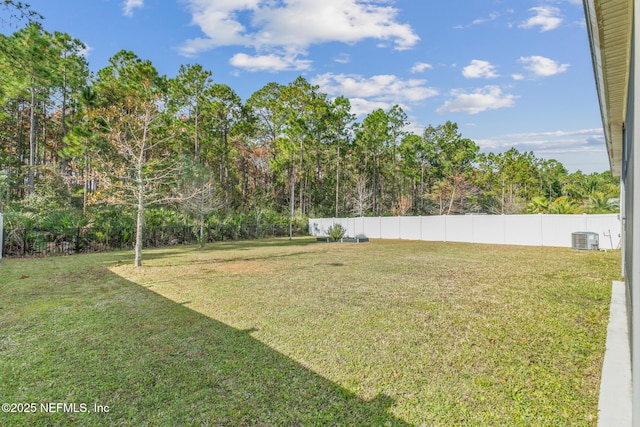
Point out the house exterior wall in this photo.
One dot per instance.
(616, 63)
(631, 220)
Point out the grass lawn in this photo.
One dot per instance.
(275, 332)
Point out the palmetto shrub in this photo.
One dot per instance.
(336, 231)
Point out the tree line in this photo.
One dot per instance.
(128, 144)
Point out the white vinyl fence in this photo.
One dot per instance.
(527, 230)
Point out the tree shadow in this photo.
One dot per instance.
(236, 247)
(154, 361)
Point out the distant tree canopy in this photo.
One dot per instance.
(13, 12)
(87, 143)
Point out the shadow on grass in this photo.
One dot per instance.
(235, 246)
(126, 256)
(153, 361)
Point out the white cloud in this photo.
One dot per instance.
(547, 142)
(478, 69)
(543, 67)
(483, 99)
(294, 25)
(271, 62)
(361, 107)
(576, 2)
(492, 17)
(342, 58)
(414, 126)
(517, 77)
(546, 17)
(85, 51)
(420, 67)
(382, 86)
(381, 91)
(193, 47)
(129, 5)
(579, 149)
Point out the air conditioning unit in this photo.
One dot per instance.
(585, 240)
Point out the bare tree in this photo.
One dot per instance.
(402, 206)
(361, 197)
(198, 195)
(136, 167)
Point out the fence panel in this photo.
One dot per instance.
(557, 229)
(358, 227)
(522, 230)
(488, 229)
(434, 228)
(527, 230)
(390, 227)
(371, 227)
(458, 228)
(411, 228)
(609, 226)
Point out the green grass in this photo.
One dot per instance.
(301, 333)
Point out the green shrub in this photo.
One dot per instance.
(336, 231)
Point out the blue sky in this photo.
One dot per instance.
(511, 73)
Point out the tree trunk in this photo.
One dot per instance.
(63, 160)
(20, 154)
(375, 186)
(453, 195)
(141, 191)
(503, 201)
(337, 179)
(8, 195)
(393, 177)
(421, 189)
(301, 191)
(140, 218)
(86, 175)
(292, 186)
(225, 172)
(196, 143)
(10, 151)
(41, 157)
(32, 140)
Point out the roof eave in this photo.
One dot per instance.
(609, 25)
